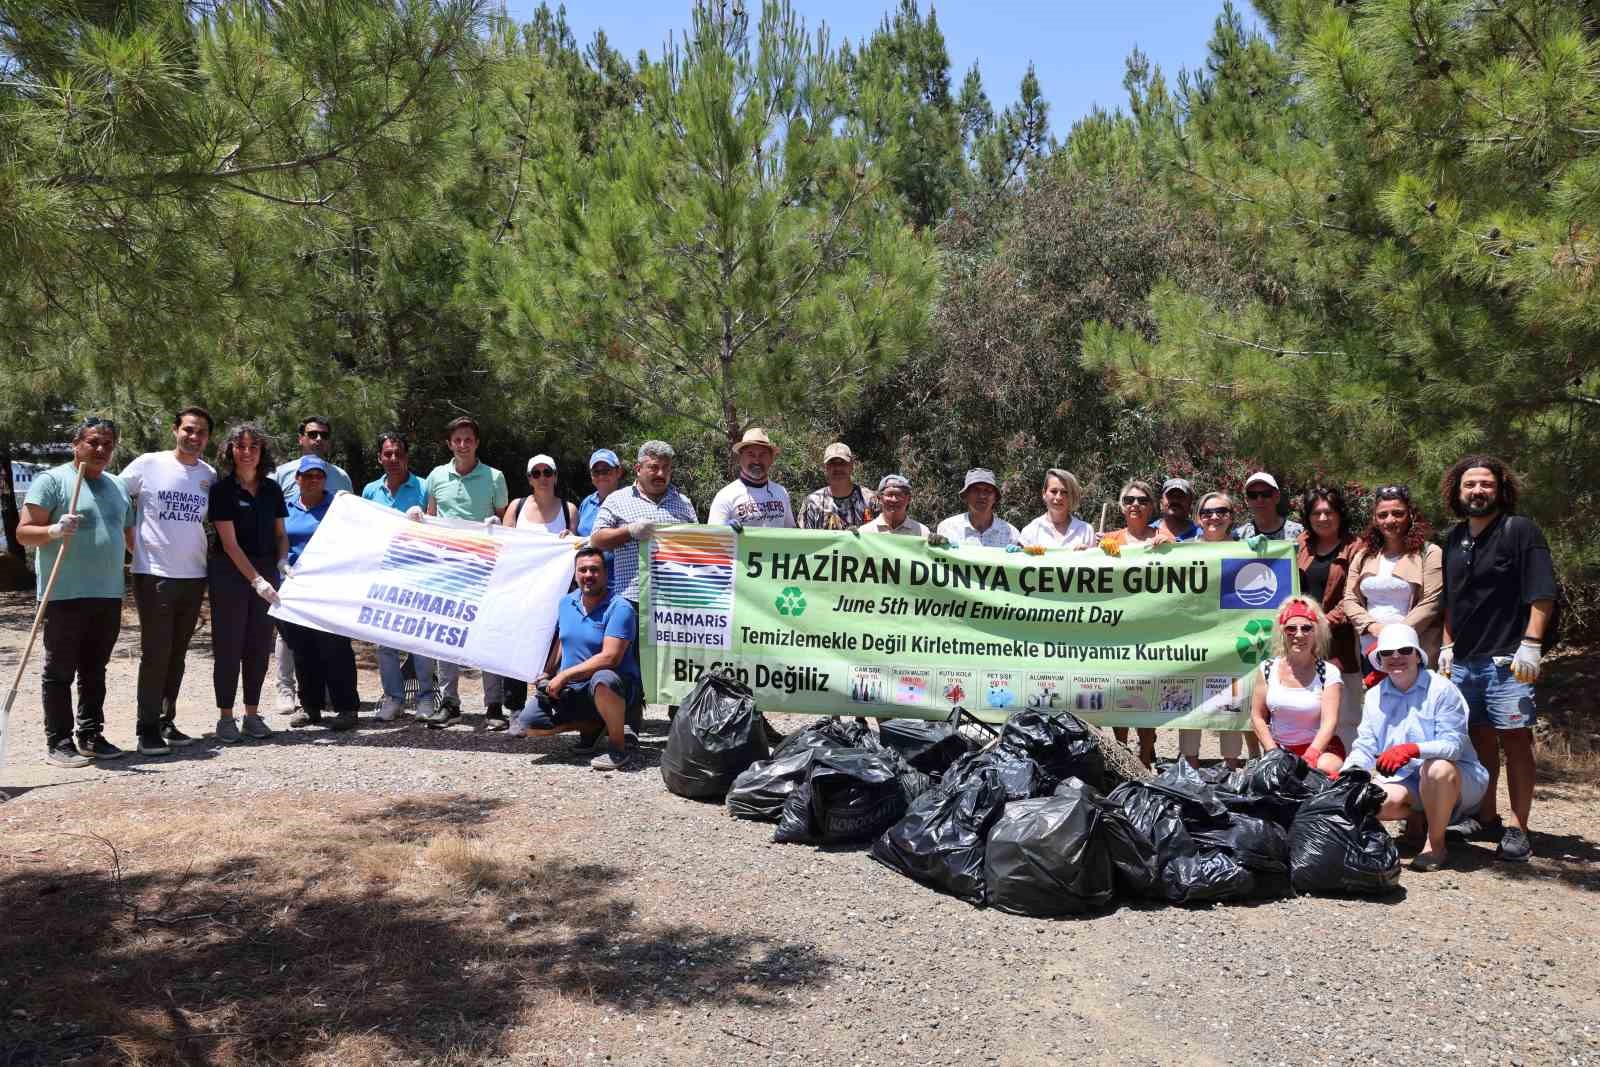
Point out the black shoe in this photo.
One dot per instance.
(96, 746)
(66, 754)
(174, 736)
(494, 719)
(446, 713)
(344, 720)
(151, 744)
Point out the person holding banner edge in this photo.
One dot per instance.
(1058, 527)
(979, 525)
(400, 490)
(1215, 518)
(324, 663)
(83, 614)
(632, 515)
(247, 510)
(894, 496)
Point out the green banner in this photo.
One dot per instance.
(884, 625)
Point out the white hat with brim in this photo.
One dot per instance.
(1394, 636)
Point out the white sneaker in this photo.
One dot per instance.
(287, 702)
(388, 709)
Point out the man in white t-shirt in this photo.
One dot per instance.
(894, 496)
(753, 499)
(170, 492)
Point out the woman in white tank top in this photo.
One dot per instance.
(544, 507)
(1397, 575)
(1295, 705)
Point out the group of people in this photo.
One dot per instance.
(1401, 654)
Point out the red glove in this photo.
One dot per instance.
(1396, 756)
(1312, 754)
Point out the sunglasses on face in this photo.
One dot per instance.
(1135, 501)
(1391, 652)
(541, 472)
(1298, 631)
(1260, 494)
(1215, 513)
(317, 435)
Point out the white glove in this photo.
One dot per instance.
(265, 591)
(414, 513)
(1525, 664)
(283, 567)
(491, 521)
(642, 530)
(1447, 659)
(65, 526)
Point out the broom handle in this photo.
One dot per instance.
(38, 616)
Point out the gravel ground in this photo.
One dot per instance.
(840, 961)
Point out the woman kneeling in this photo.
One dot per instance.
(1414, 731)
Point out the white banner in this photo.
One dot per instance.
(442, 588)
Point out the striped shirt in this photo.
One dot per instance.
(630, 505)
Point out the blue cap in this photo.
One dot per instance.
(312, 463)
(605, 455)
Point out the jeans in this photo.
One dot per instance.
(169, 611)
(450, 682)
(324, 663)
(78, 638)
(1493, 694)
(394, 685)
(241, 631)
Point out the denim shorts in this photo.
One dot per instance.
(1494, 696)
(576, 703)
(1474, 784)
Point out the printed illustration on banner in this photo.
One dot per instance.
(911, 688)
(1000, 690)
(450, 562)
(691, 588)
(1133, 695)
(1253, 584)
(956, 687)
(1047, 691)
(1090, 692)
(869, 685)
(1176, 696)
(1221, 692)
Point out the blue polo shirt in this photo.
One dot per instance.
(411, 494)
(302, 523)
(583, 633)
(588, 511)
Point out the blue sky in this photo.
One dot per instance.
(1076, 46)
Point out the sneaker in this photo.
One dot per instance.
(228, 730)
(151, 744)
(630, 739)
(1514, 846)
(306, 718)
(174, 736)
(256, 727)
(446, 713)
(95, 746)
(613, 759)
(592, 745)
(425, 709)
(1471, 828)
(344, 720)
(287, 703)
(66, 754)
(388, 709)
(494, 718)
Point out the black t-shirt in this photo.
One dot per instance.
(254, 516)
(1490, 581)
(1314, 579)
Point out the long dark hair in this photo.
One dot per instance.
(1417, 534)
(1506, 485)
(1335, 499)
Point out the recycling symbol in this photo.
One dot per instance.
(1252, 645)
(791, 601)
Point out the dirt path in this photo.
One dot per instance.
(404, 896)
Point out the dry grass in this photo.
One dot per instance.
(384, 932)
(1569, 716)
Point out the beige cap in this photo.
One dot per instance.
(838, 450)
(754, 436)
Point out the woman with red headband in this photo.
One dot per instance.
(1295, 704)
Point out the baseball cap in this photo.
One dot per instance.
(1181, 484)
(894, 481)
(838, 450)
(604, 455)
(312, 463)
(980, 476)
(542, 458)
(1261, 476)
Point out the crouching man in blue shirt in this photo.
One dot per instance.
(1414, 731)
(597, 679)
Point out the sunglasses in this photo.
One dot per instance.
(1135, 501)
(1299, 631)
(1401, 491)
(1260, 494)
(316, 435)
(1215, 513)
(1386, 653)
(541, 472)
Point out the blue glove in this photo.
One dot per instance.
(1013, 547)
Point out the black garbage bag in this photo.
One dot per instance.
(1133, 856)
(1337, 844)
(716, 734)
(849, 795)
(940, 841)
(1021, 776)
(1049, 856)
(762, 788)
(1061, 744)
(1170, 811)
(1272, 786)
(930, 747)
(1259, 845)
(826, 733)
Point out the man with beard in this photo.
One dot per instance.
(752, 499)
(1499, 599)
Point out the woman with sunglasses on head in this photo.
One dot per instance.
(1215, 519)
(1295, 704)
(1414, 735)
(1323, 557)
(1396, 575)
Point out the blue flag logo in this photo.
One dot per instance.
(1253, 584)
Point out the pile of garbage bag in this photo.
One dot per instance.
(716, 735)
